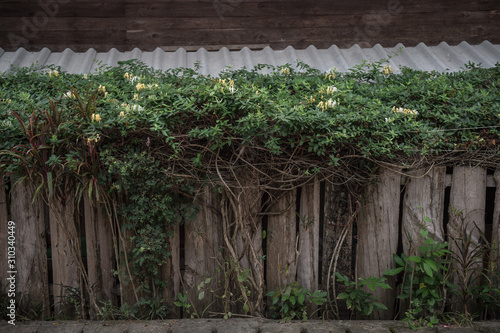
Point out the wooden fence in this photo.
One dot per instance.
(314, 231)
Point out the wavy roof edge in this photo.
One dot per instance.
(442, 57)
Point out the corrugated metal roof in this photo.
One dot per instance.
(442, 57)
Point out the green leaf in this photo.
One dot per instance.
(246, 308)
(394, 271)
(201, 295)
(398, 260)
(415, 259)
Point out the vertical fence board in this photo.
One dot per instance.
(467, 207)
(424, 198)
(378, 235)
(128, 280)
(249, 237)
(171, 270)
(307, 266)
(202, 253)
(31, 249)
(65, 244)
(495, 234)
(337, 241)
(281, 260)
(3, 233)
(100, 254)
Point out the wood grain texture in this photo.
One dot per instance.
(100, 254)
(467, 207)
(171, 270)
(150, 24)
(337, 235)
(31, 249)
(495, 238)
(203, 241)
(281, 256)
(424, 198)
(378, 235)
(308, 262)
(66, 247)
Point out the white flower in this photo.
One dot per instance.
(69, 94)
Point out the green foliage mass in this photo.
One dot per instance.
(327, 115)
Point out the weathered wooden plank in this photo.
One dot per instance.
(467, 207)
(281, 256)
(100, 254)
(249, 232)
(308, 261)
(31, 249)
(203, 241)
(171, 270)
(495, 233)
(424, 199)
(337, 240)
(378, 235)
(3, 233)
(128, 280)
(66, 249)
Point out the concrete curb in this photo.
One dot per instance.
(234, 325)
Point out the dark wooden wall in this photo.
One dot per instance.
(170, 24)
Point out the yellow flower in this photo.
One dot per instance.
(140, 86)
(285, 71)
(122, 114)
(102, 88)
(136, 97)
(387, 70)
(96, 117)
(85, 76)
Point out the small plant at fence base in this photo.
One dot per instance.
(424, 281)
(292, 301)
(357, 299)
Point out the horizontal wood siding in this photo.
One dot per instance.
(126, 24)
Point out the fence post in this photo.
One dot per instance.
(467, 206)
(424, 198)
(282, 251)
(378, 230)
(31, 249)
(202, 254)
(66, 249)
(337, 241)
(100, 254)
(307, 267)
(495, 237)
(171, 270)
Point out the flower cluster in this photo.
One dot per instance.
(285, 71)
(141, 86)
(55, 73)
(4, 100)
(387, 70)
(229, 84)
(330, 75)
(128, 108)
(93, 139)
(130, 77)
(96, 117)
(69, 94)
(404, 111)
(328, 104)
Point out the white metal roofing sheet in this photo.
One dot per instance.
(442, 57)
